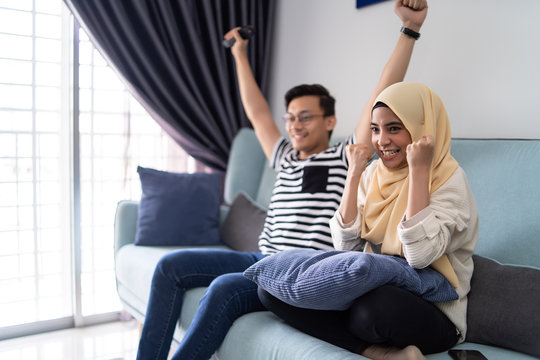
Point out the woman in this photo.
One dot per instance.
(413, 202)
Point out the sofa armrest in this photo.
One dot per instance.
(125, 223)
(223, 211)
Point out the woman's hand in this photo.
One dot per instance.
(420, 153)
(358, 156)
(412, 13)
(419, 158)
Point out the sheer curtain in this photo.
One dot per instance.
(170, 55)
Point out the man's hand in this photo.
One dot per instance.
(420, 154)
(240, 45)
(411, 12)
(255, 105)
(358, 156)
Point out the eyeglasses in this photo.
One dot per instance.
(304, 119)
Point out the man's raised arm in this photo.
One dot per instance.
(255, 105)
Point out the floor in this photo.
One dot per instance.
(117, 340)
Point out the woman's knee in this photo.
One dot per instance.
(373, 311)
(298, 317)
(361, 319)
(266, 299)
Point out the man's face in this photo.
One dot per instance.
(307, 126)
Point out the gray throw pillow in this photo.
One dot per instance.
(243, 225)
(503, 306)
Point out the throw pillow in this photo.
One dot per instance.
(332, 280)
(503, 306)
(243, 225)
(178, 209)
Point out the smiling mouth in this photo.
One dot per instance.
(389, 152)
(299, 136)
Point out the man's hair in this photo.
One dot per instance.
(326, 101)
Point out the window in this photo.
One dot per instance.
(59, 189)
(116, 135)
(35, 276)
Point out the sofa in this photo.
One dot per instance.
(504, 176)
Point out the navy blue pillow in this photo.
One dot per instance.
(178, 209)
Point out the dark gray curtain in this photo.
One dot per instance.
(170, 55)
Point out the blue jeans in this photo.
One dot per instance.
(229, 295)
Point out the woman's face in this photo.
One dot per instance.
(389, 138)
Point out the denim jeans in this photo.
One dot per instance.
(229, 295)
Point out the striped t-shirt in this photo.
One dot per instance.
(306, 195)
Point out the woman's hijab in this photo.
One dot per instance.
(422, 112)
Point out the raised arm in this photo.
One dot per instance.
(358, 156)
(255, 105)
(419, 158)
(412, 14)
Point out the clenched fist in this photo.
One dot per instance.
(411, 12)
(420, 153)
(240, 44)
(415, 4)
(358, 156)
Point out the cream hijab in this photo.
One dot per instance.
(422, 113)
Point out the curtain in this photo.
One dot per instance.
(170, 55)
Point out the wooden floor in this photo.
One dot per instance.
(117, 340)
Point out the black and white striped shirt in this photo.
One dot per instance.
(306, 195)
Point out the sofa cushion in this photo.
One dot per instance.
(503, 306)
(332, 280)
(243, 224)
(178, 209)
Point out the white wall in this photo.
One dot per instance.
(482, 57)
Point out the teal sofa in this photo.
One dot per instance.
(504, 176)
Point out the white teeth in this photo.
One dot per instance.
(389, 153)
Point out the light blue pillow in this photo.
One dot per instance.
(178, 208)
(332, 280)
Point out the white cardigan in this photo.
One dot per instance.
(448, 225)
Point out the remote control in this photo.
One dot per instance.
(245, 32)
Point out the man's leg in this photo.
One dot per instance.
(227, 298)
(175, 273)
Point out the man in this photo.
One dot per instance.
(307, 192)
